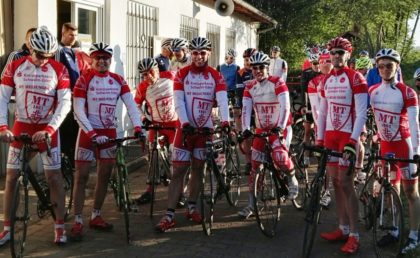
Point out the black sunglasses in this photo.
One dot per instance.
(41, 56)
(340, 52)
(258, 67)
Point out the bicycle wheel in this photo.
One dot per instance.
(313, 213)
(388, 218)
(233, 176)
(266, 201)
(366, 203)
(123, 196)
(19, 220)
(208, 191)
(304, 190)
(153, 177)
(68, 184)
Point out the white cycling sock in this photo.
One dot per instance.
(78, 218)
(250, 200)
(414, 234)
(95, 213)
(345, 229)
(355, 235)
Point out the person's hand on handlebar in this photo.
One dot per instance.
(349, 151)
(6, 136)
(146, 122)
(277, 130)
(100, 139)
(246, 134)
(225, 127)
(40, 136)
(187, 129)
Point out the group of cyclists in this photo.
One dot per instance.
(181, 92)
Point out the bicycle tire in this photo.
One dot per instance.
(154, 173)
(19, 220)
(233, 176)
(301, 174)
(366, 203)
(313, 213)
(124, 199)
(68, 184)
(380, 229)
(267, 201)
(207, 194)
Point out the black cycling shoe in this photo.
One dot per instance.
(145, 198)
(386, 240)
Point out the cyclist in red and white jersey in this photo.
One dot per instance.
(395, 107)
(43, 99)
(95, 102)
(314, 95)
(342, 116)
(156, 90)
(196, 88)
(269, 97)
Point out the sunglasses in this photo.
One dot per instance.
(315, 63)
(105, 58)
(196, 53)
(387, 66)
(340, 52)
(258, 67)
(176, 50)
(41, 56)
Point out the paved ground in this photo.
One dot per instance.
(232, 236)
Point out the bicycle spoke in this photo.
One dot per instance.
(19, 220)
(208, 191)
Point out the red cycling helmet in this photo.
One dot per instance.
(340, 42)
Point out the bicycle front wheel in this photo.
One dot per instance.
(154, 176)
(124, 199)
(68, 184)
(388, 219)
(208, 191)
(267, 201)
(233, 176)
(19, 220)
(312, 219)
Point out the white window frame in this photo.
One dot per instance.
(96, 7)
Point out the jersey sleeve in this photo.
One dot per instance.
(284, 103)
(79, 105)
(246, 109)
(179, 97)
(6, 90)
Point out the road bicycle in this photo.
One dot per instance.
(19, 214)
(120, 185)
(317, 186)
(216, 180)
(159, 163)
(383, 209)
(270, 189)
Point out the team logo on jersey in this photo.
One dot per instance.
(339, 115)
(19, 74)
(166, 109)
(38, 106)
(110, 81)
(44, 68)
(91, 88)
(206, 76)
(107, 115)
(388, 124)
(342, 79)
(201, 110)
(267, 114)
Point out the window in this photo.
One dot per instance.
(142, 25)
(189, 27)
(230, 39)
(213, 34)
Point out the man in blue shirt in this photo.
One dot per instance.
(229, 70)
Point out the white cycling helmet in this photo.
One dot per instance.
(231, 52)
(314, 58)
(43, 41)
(388, 53)
(260, 58)
(417, 74)
(200, 43)
(146, 64)
(100, 47)
(179, 43)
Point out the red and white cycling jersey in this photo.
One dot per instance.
(95, 101)
(314, 94)
(270, 100)
(159, 98)
(42, 93)
(395, 108)
(343, 103)
(195, 91)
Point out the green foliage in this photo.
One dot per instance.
(377, 24)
